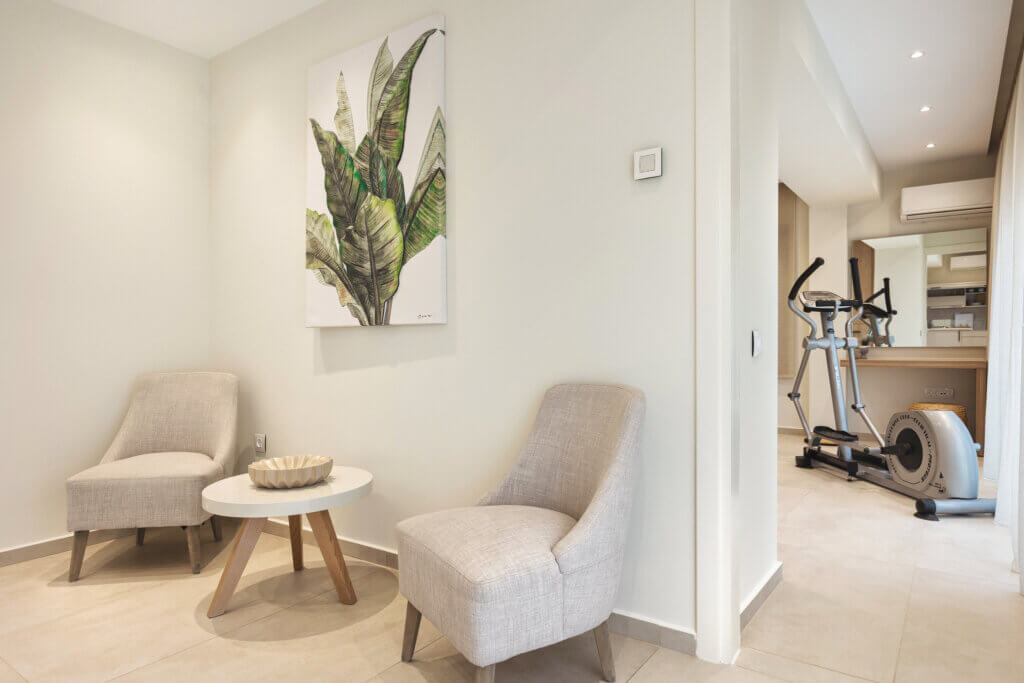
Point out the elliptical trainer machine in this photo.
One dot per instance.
(927, 455)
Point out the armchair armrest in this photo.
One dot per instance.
(600, 534)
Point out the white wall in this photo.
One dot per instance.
(908, 280)
(103, 242)
(827, 239)
(561, 267)
(754, 295)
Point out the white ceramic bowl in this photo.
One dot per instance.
(290, 471)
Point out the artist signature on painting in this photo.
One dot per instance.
(421, 316)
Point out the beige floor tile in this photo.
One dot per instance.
(573, 661)
(38, 590)
(854, 523)
(968, 546)
(789, 669)
(317, 639)
(669, 665)
(789, 498)
(129, 631)
(962, 629)
(841, 613)
(8, 674)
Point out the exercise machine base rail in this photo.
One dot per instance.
(926, 508)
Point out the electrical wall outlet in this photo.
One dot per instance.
(261, 443)
(938, 393)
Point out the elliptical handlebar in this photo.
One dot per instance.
(855, 277)
(795, 289)
(888, 299)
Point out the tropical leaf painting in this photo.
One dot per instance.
(376, 187)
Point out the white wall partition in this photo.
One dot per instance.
(561, 266)
(104, 269)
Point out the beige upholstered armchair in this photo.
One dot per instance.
(538, 560)
(177, 438)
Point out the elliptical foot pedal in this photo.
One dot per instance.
(835, 434)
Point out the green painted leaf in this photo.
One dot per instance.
(323, 256)
(434, 151)
(426, 214)
(389, 130)
(393, 185)
(342, 182)
(382, 67)
(378, 174)
(372, 253)
(343, 118)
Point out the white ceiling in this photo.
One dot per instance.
(203, 27)
(870, 42)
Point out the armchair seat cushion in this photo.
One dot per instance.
(486, 576)
(148, 490)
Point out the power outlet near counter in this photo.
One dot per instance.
(938, 393)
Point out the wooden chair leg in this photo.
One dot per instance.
(215, 526)
(140, 535)
(77, 554)
(485, 674)
(295, 532)
(195, 553)
(604, 651)
(412, 629)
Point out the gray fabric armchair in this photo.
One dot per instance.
(539, 559)
(178, 436)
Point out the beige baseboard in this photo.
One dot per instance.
(651, 632)
(758, 598)
(367, 553)
(791, 430)
(52, 546)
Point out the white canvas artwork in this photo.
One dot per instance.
(376, 182)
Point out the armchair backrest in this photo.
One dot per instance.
(581, 431)
(194, 412)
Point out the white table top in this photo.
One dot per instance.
(239, 497)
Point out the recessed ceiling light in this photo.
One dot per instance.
(926, 108)
(930, 145)
(916, 54)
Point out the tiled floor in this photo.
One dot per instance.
(138, 615)
(868, 592)
(871, 592)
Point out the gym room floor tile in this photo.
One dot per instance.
(871, 592)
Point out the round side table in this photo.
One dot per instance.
(239, 497)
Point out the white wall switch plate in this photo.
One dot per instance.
(755, 343)
(260, 443)
(647, 163)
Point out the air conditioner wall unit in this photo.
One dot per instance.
(947, 200)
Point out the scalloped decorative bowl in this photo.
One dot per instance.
(290, 471)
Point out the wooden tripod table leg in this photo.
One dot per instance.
(295, 531)
(323, 529)
(245, 541)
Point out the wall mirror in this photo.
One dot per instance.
(938, 282)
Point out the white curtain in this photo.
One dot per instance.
(1004, 437)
